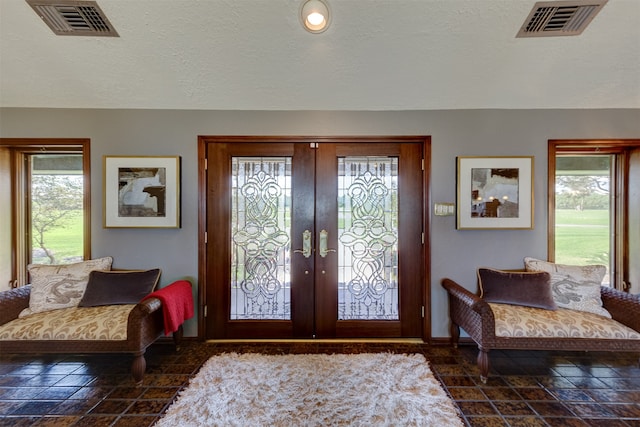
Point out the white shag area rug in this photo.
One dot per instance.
(380, 389)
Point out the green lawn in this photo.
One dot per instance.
(65, 242)
(586, 217)
(582, 237)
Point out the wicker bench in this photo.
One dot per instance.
(477, 317)
(144, 325)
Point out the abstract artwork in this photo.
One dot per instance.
(141, 192)
(495, 192)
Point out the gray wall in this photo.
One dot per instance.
(454, 253)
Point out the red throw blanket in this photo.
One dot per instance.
(177, 304)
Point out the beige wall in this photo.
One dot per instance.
(454, 253)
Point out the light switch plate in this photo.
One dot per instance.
(444, 209)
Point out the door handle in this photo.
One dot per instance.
(324, 236)
(306, 244)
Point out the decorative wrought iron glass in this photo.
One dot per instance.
(367, 235)
(260, 238)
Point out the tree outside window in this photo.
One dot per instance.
(56, 218)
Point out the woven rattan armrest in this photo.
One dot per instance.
(469, 312)
(149, 305)
(624, 307)
(143, 321)
(460, 293)
(12, 302)
(482, 308)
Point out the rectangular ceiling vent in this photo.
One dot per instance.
(560, 18)
(73, 18)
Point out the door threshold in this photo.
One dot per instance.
(322, 340)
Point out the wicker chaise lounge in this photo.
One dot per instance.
(144, 325)
(113, 312)
(478, 318)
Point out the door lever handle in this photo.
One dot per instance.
(324, 236)
(306, 244)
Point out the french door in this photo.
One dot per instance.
(309, 238)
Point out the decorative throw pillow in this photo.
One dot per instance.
(517, 288)
(60, 286)
(574, 287)
(119, 287)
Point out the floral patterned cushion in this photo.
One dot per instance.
(60, 286)
(576, 287)
(520, 321)
(91, 323)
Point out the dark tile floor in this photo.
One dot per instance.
(525, 388)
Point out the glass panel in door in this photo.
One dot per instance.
(368, 238)
(260, 238)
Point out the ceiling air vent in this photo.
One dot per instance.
(73, 18)
(560, 18)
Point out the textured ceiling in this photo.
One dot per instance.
(377, 55)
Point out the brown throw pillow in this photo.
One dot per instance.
(119, 287)
(517, 288)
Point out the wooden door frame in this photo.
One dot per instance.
(204, 140)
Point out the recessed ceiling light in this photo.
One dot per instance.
(315, 16)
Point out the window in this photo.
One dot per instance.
(44, 211)
(594, 207)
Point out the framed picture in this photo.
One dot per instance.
(495, 192)
(141, 192)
